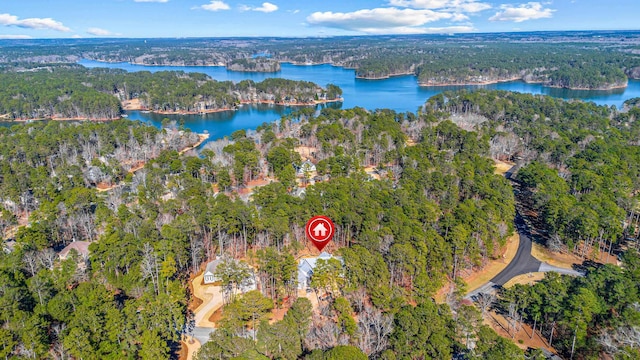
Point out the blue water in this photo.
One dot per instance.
(220, 124)
(400, 93)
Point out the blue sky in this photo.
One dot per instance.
(207, 18)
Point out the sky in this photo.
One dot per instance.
(304, 18)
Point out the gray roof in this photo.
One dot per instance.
(311, 262)
(213, 265)
(82, 247)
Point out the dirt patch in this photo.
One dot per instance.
(195, 302)
(306, 152)
(562, 260)
(501, 167)
(136, 166)
(192, 345)
(522, 338)
(525, 279)
(259, 182)
(133, 104)
(277, 314)
(215, 316)
(477, 278)
(312, 298)
(183, 353)
(102, 187)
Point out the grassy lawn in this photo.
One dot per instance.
(525, 279)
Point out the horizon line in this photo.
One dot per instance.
(316, 36)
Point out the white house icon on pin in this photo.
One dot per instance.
(320, 230)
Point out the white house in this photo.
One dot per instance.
(306, 266)
(306, 167)
(209, 272)
(210, 276)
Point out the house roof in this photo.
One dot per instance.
(82, 247)
(308, 264)
(213, 265)
(8, 246)
(306, 163)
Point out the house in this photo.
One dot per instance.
(210, 276)
(306, 167)
(299, 192)
(306, 266)
(210, 271)
(8, 246)
(80, 247)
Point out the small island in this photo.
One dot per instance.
(254, 65)
(75, 93)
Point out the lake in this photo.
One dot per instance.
(400, 93)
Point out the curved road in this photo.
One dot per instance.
(522, 263)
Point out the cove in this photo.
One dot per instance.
(400, 93)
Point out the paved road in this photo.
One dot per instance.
(202, 334)
(522, 263)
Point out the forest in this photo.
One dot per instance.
(72, 91)
(575, 60)
(254, 65)
(154, 216)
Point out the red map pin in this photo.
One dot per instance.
(320, 230)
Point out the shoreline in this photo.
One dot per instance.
(385, 76)
(489, 82)
(208, 111)
(542, 83)
(143, 64)
(202, 137)
(588, 89)
(262, 102)
(63, 119)
(163, 112)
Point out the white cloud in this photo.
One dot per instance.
(14, 37)
(156, 1)
(265, 8)
(468, 6)
(215, 5)
(423, 30)
(32, 23)
(523, 12)
(384, 20)
(100, 32)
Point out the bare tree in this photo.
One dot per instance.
(47, 258)
(374, 327)
(149, 265)
(323, 334)
(620, 339)
(554, 243)
(31, 262)
(485, 300)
